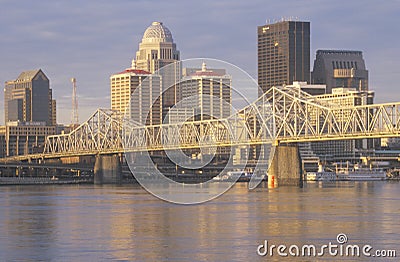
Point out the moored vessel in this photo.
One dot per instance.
(355, 173)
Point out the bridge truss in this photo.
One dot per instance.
(281, 115)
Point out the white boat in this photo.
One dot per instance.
(239, 176)
(321, 176)
(347, 174)
(361, 174)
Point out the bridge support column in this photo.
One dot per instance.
(285, 168)
(107, 169)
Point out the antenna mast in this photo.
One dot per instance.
(75, 117)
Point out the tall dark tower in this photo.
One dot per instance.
(340, 68)
(29, 98)
(283, 53)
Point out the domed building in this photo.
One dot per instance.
(147, 90)
(158, 54)
(157, 32)
(157, 45)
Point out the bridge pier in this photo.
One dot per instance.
(285, 168)
(107, 169)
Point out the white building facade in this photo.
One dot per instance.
(208, 92)
(137, 94)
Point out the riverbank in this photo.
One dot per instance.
(43, 181)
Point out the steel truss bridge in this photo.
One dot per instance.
(281, 115)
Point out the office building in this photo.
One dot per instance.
(313, 90)
(53, 112)
(340, 68)
(158, 54)
(29, 98)
(137, 94)
(15, 109)
(180, 114)
(189, 71)
(21, 138)
(344, 149)
(283, 54)
(208, 92)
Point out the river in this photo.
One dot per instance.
(125, 223)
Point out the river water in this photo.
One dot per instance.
(125, 223)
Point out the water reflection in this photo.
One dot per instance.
(126, 223)
(28, 231)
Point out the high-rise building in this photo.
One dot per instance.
(340, 68)
(208, 92)
(283, 54)
(157, 53)
(137, 94)
(15, 109)
(53, 112)
(29, 98)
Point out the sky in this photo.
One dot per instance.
(91, 40)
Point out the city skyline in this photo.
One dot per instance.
(69, 41)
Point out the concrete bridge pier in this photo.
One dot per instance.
(107, 169)
(285, 168)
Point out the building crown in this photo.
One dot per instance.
(157, 32)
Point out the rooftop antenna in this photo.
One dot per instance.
(75, 117)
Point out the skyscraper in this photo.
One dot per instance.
(156, 51)
(29, 98)
(208, 92)
(340, 68)
(30, 114)
(283, 53)
(137, 94)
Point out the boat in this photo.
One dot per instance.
(361, 174)
(355, 173)
(238, 176)
(321, 176)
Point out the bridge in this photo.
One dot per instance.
(281, 117)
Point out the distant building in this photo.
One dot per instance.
(21, 138)
(180, 114)
(137, 94)
(53, 112)
(310, 89)
(189, 71)
(340, 68)
(29, 98)
(344, 149)
(283, 54)
(156, 51)
(208, 92)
